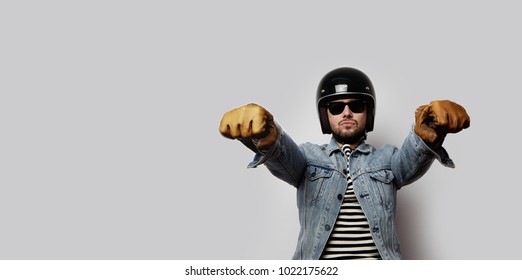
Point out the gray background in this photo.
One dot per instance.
(109, 147)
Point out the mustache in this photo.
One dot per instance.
(348, 119)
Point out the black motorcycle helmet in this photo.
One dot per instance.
(345, 82)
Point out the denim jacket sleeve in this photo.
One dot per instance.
(284, 159)
(415, 158)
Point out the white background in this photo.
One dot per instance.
(109, 114)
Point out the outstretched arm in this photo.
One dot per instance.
(255, 127)
(424, 144)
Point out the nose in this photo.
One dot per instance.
(347, 111)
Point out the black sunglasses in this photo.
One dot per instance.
(356, 106)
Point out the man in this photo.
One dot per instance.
(347, 189)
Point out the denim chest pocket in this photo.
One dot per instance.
(317, 178)
(383, 181)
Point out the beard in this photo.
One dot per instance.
(349, 137)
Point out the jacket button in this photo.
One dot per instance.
(375, 229)
(327, 227)
(345, 171)
(340, 196)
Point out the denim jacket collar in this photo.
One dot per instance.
(333, 146)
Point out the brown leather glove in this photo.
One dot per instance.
(434, 121)
(250, 122)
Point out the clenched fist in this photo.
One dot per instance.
(434, 121)
(250, 122)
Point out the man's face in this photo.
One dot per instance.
(348, 127)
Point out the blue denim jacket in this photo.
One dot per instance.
(318, 173)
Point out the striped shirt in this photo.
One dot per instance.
(351, 237)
